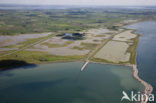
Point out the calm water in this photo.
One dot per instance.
(64, 83)
(146, 58)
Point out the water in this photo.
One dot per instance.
(64, 83)
(146, 50)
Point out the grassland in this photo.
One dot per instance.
(89, 46)
(39, 57)
(114, 51)
(55, 20)
(120, 50)
(59, 21)
(57, 45)
(29, 42)
(132, 50)
(125, 36)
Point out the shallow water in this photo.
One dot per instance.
(64, 83)
(146, 51)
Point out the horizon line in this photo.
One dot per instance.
(68, 5)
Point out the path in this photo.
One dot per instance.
(85, 64)
(91, 54)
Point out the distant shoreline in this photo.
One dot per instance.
(148, 87)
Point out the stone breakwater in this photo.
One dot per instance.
(148, 88)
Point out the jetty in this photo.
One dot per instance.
(84, 65)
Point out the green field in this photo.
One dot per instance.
(59, 21)
(71, 20)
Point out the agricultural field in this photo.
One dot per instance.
(117, 50)
(6, 40)
(125, 36)
(24, 21)
(114, 51)
(54, 45)
(34, 35)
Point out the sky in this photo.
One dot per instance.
(81, 2)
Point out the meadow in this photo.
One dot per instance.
(22, 21)
(99, 24)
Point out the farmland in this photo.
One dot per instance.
(114, 51)
(37, 33)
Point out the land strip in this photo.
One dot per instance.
(89, 57)
(85, 64)
(27, 46)
(132, 60)
(148, 88)
(99, 47)
(121, 49)
(91, 54)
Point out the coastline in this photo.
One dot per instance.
(148, 88)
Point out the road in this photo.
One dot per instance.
(91, 54)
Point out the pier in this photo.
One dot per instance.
(85, 64)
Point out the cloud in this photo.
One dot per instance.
(83, 2)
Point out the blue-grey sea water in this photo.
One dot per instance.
(65, 83)
(146, 51)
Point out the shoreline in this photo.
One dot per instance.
(148, 88)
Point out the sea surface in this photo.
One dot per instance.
(146, 51)
(65, 83)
